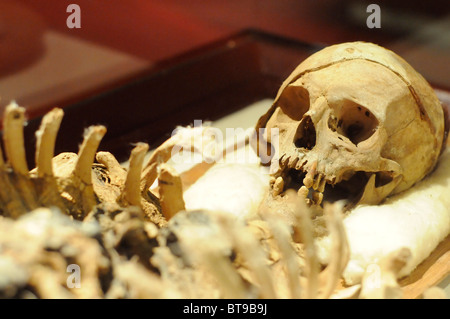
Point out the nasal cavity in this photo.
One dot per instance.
(305, 137)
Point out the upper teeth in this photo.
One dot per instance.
(312, 180)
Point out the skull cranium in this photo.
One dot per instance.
(355, 122)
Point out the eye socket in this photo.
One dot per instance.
(294, 102)
(353, 121)
(305, 137)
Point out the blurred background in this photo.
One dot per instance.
(43, 62)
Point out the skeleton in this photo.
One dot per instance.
(355, 122)
(129, 243)
(87, 209)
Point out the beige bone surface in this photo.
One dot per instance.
(127, 248)
(355, 119)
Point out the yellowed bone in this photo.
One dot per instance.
(131, 194)
(13, 122)
(170, 191)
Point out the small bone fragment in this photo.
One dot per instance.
(9, 198)
(82, 174)
(317, 181)
(185, 139)
(188, 139)
(146, 285)
(170, 190)
(86, 155)
(351, 292)
(13, 122)
(309, 178)
(303, 227)
(321, 186)
(230, 283)
(317, 197)
(116, 172)
(45, 145)
(303, 192)
(283, 239)
(253, 255)
(278, 186)
(340, 252)
(131, 193)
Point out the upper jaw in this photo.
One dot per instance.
(317, 187)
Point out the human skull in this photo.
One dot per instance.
(355, 122)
